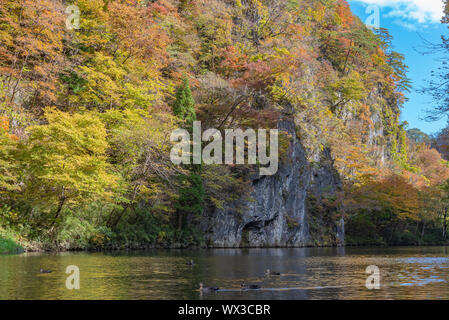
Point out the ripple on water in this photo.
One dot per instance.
(407, 273)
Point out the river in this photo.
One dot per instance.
(306, 273)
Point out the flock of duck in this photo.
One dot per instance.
(204, 289)
(243, 285)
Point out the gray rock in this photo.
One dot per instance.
(276, 216)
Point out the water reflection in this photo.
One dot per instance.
(307, 273)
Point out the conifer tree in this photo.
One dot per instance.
(191, 195)
(184, 106)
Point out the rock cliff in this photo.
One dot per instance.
(278, 214)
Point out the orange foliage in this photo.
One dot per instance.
(345, 14)
(4, 127)
(434, 169)
(32, 41)
(4, 123)
(392, 191)
(137, 32)
(233, 61)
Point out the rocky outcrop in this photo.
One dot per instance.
(326, 226)
(277, 214)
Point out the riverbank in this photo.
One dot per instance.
(144, 231)
(8, 245)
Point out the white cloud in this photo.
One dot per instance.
(406, 25)
(418, 11)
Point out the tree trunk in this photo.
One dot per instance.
(18, 79)
(119, 216)
(393, 231)
(445, 224)
(136, 188)
(179, 221)
(110, 218)
(58, 211)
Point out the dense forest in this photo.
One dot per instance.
(90, 91)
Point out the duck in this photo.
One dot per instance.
(249, 286)
(190, 263)
(272, 273)
(208, 289)
(45, 271)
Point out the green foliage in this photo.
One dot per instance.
(184, 106)
(399, 149)
(361, 230)
(74, 82)
(417, 136)
(375, 228)
(191, 195)
(76, 233)
(395, 61)
(8, 236)
(345, 90)
(191, 190)
(143, 228)
(8, 245)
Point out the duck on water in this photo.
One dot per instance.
(45, 271)
(249, 286)
(208, 289)
(272, 273)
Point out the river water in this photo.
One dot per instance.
(306, 273)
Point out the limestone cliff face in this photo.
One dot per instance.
(326, 227)
(278, 214)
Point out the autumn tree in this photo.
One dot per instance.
(31, 50)
(117, 57)
(65, 163)
(9, 175)
(444, 210)
(139, 151)
(381, 206)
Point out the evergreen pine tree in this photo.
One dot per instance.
(184, 106)
(191, 194)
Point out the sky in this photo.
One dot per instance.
(409, 22)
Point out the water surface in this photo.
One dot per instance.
(307, 273)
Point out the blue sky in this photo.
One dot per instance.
(408, 22)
